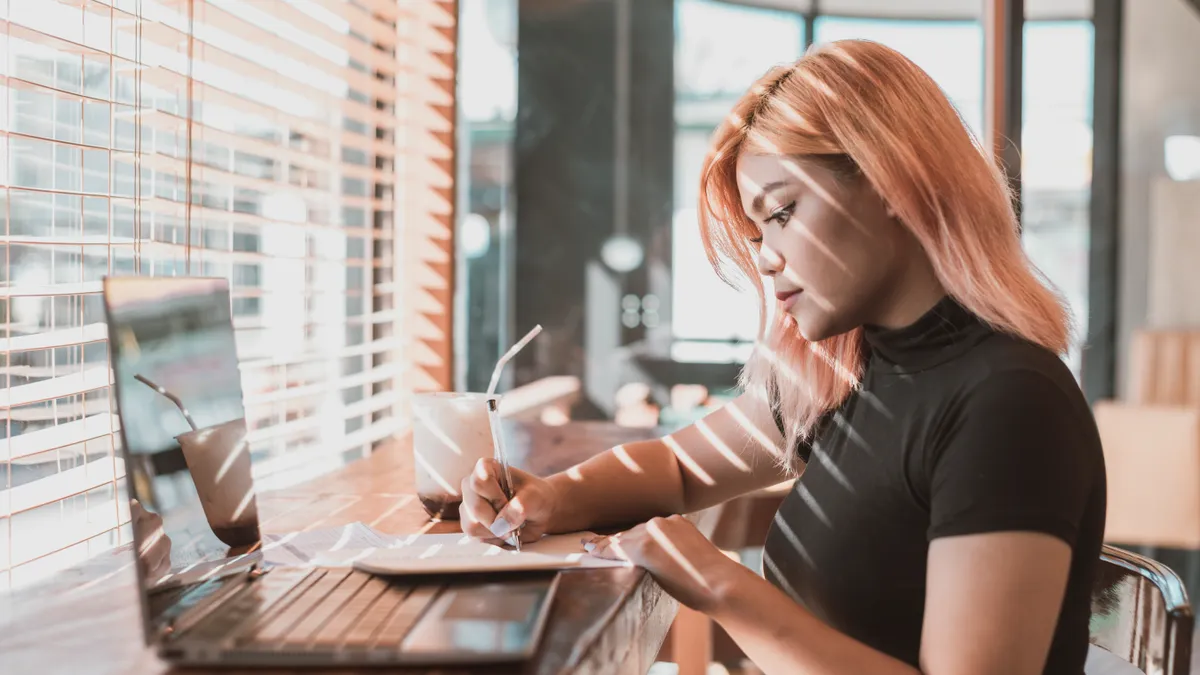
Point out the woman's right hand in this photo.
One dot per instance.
(486, 514)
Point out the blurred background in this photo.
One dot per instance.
(400, 189)
(579, 170)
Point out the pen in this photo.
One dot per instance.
(506, 483)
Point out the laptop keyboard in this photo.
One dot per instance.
(292, 609)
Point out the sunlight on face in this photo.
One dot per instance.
(770, 198)
(794, 168)
(827, 240)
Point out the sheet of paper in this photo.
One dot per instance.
(438, 553)
(301, 548)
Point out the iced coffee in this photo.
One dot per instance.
(218, 458)
(451, 433)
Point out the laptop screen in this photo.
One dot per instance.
(179, 399)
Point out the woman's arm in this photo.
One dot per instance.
(991, 606)
(728, 453)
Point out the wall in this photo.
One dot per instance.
(1161, 96)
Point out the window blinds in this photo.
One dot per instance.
(253, 141)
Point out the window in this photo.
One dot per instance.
(950, 51)
(720, 49)
(1056, 161)
(713, 69)
(97, 150)
(487, 111)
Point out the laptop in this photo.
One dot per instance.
(208, 595)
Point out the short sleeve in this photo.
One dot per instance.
(1018, 453)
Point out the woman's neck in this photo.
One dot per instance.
(913, 294)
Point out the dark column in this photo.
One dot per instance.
(594, 151)
(1099, 354)
(1004, 31)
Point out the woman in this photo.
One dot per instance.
(949, 507)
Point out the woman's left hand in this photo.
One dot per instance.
(681, 559)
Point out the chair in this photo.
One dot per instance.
(1140, 612)
(1152, 445)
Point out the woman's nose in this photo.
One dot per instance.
(770, 263)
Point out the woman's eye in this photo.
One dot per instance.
(756, 240)
(782, 215)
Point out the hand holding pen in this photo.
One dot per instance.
(488, 513)
(506, 481)
(512, 504)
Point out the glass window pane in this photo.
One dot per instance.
(1056, 160)
(33, 112)
(950, 51)
(96, 121)
(96, 109)
(720, 50)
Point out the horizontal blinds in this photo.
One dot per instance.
(263, 150)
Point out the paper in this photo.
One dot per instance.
(301, 548)
(446, 553)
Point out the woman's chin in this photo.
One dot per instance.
(808, 329)
(813, 328)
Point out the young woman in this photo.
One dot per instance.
(949, 507)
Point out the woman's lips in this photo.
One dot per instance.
(788, 298)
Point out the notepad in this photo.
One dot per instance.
(460, 554)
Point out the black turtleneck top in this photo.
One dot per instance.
(957, 429)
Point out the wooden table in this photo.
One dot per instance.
(604, 620)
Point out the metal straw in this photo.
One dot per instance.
(491, 390)
(494, 421)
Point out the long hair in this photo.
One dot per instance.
(867, 103)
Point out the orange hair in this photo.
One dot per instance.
(869, 103)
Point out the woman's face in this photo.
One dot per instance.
(832, 250)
